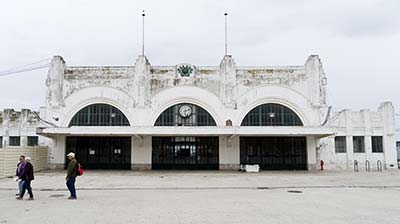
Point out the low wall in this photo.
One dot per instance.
(9, 159)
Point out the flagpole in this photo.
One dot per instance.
(143, 15)
(226, 33)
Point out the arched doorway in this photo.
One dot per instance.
(273, 152)
(185, 152)
(98, 152)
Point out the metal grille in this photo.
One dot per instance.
(185, 153)
(340, 144)
(271, 115)
(101, 152)
(377, 143)
(33, 141)
(99, 115)
(198, 117)
(358, 144)
(15, 141)
(274, 153)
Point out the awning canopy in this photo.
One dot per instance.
(187, 131)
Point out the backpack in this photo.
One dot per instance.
(79, 171)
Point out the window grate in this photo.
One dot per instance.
(99, 115)
(340, 144)
(15, 140)
(197, 117)
(271, 114)
(358, 144)
(33, 140)
(377, 144)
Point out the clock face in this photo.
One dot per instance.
(185, 111)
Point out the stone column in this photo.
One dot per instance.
(141, 153)
(367, 135)
(141, 82)
(24, 127)
(54, 82)
(228, 90)
(229, 152)
(389, 138)
(6, 124)
(349, 139)
(317, 80)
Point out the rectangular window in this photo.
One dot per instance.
(1, 141)
(33, 140)
(340, 144)
(358, 144)
(15, 141)
(377, 143)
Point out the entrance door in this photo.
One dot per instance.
(189, 153)
(101, 152)
(274, 153)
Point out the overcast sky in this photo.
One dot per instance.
(358, 41)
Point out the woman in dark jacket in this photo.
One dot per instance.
(27, 176)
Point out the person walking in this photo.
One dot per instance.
(27, 176)
(18, 173)
(72, 172)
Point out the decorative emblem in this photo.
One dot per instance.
(185, 70)
(185, 111)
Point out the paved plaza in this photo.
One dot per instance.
(208, 197)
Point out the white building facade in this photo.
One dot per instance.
(208, 117)
(18, 129)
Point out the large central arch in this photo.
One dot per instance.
(185, 152)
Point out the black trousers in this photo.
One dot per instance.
(27, 186)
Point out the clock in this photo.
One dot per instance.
(185, 111)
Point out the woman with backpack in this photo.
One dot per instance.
(72, 173)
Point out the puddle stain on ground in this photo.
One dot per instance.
(295, 191)
(57, 195)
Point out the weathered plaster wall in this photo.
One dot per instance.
(19, 123)
(361, 123)
(142, 92)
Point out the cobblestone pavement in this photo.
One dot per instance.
(208, 197)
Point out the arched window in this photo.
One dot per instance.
(185, 114)
(271, 114)
(99, 115)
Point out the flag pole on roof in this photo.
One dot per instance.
(226, 33)
(143, 15)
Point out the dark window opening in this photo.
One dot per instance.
(185, 152)
(99, 115)
(15, 141)
(377, 143)
(358, 144)
(95, 152)
(33, 140)
(185, 114)
(271, 114)
(1, 141)
(340, 144)
(274, 153)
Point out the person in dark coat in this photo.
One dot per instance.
(18, 173)
(27, 176)
(72, 172)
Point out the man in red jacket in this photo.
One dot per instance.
(27, 176)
